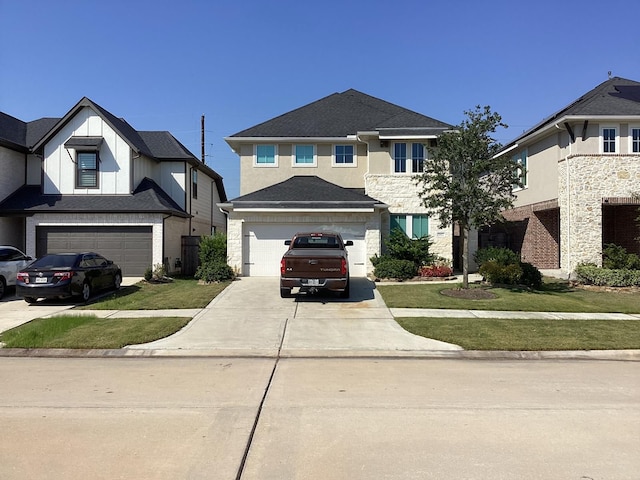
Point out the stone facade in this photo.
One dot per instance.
(400, 193)
(584, 182)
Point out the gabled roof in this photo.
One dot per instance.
(617, 97)
(341, 115)
(148, 197)
(306, 192)
(159, 145)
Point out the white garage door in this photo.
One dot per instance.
(264, 246)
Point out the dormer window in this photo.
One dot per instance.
(87, 159)
(87, 170)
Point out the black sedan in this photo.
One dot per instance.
(63, 275)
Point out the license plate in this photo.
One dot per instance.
(41, 279)
(314, 282)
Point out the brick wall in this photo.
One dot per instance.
(620, 226)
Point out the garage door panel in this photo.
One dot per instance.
(264, 246)
(129, 247)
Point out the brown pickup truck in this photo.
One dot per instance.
(315, 261)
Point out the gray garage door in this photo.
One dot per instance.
(129, 247)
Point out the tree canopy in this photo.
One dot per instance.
(464, 182)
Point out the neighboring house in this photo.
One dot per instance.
(345, 163)
(581, 170)
(89, 181)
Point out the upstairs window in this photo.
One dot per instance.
(609, 140)
(343, 155)
(266, 156)
(520, 161)
(635, 140)
(87, 170)
(304, 156)
(194, 183)
(408, 151)
(400, 157)
(414, 226)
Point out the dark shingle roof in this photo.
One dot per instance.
(148, 197)
(615, 97)
(339, 115)
(305, 191)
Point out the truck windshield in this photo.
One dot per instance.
(316, 242)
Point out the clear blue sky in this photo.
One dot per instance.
(162, 64)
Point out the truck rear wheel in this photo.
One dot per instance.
(345, 292)
(285, 292)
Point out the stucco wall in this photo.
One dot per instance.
(12, 168)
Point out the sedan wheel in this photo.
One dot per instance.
(117, 281)
(3, 287)
(86, 291)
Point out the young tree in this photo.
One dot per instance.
(463, 180)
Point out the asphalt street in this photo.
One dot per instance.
(331, 418)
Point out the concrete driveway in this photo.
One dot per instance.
(249, 318)
(15, 311)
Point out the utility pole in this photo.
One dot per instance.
(202, 137)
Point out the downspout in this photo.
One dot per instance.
(568, 220)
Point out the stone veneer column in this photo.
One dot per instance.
(583, 182)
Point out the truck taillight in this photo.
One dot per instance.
(343, 267)
(282, 267)
(22, 277)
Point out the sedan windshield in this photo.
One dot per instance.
(55, 261)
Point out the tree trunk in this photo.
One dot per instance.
(464, 229)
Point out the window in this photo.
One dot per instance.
(87, 170)
(194, 183)
(609, 140)
(521, 169)
(635, 140)
(343, 155)
(304, 156)
(414, 226)
(400, 151)
(266, 156)
(400, 157)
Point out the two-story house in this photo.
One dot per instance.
(581, 173)
(90, 182)
(345, 163)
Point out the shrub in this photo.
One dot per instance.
(394, 268)
(615, 257)
(495, 272)
(401, 247)
(214, 272)
(213, 259)
(500, 255)
(531, 276)
(148, 274)
(440, 268)
(590, 274)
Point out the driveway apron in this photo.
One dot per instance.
(249, 318)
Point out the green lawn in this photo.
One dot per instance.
(494, 334)
(88, 331)
(181, 293)
(554, 297)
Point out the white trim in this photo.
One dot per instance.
(344, 165)
(632, 126)
(616, 146)
(265, 165)
(313, 210)
(294, 156)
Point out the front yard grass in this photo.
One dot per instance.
(180, 293)
(555, 296)
(90, 332)
(526, 335)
